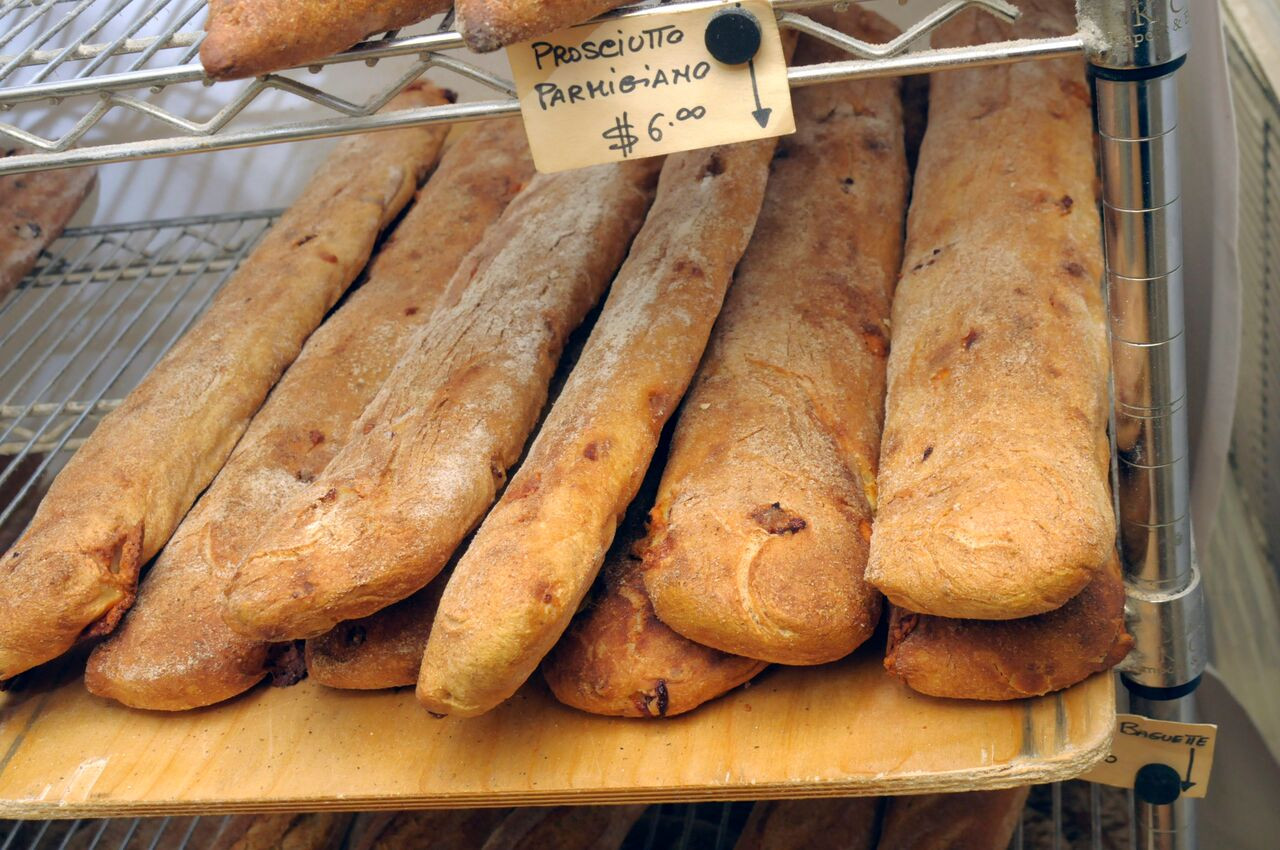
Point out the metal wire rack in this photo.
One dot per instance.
(1063, 816)
(95, 59)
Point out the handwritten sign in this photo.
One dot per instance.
(647, 85)
(1139, 741)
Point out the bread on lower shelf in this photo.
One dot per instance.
(1012, 659)
(428, 455)
(994, 499)
(979, 820)
(538, 551)
(74, 572)
(173, 650)
(847, 823)
(762, 522)
(248, 38)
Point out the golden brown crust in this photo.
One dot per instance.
(490, 24)
(847, 823)
(565, 828)
(617, 658)
(760, 532)
(977, 820)
(1011, 659)
(994, 501)
(448, 829)
(537, 553)
(382, 650)
(431, 450)
(34, 208)
(174, 651)
(117, 501)
(247, 38)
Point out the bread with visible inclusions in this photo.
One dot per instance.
(174, 651)
(490, 24)
(73, 573)
(760, 531)
(428, 455)
(994, 498)
(538, 551)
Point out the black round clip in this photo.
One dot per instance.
(1157, 784)
(733, 36)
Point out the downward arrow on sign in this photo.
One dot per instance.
(1187, 783)
(760, 113)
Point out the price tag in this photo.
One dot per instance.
(1158, 747)
(649, 84)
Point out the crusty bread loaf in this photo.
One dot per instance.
(428, 455)
(318, 831)
(760, 532)
(490, 24)
(173, 650)
(1011, 659)
(617, 658)
(847, 823)
(565, 828)
(247, 38)
(115, 503)
(994, 500)
(34, 208)
(382, 650)
(446, 829)
(537, 553)
(977, 820)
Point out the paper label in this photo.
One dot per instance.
(1139, 741)
(646, 85)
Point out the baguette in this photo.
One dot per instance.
(382, 650)
(537, 553)
(994, 500)
(617, 658)
(173, 650)
(248, 38)
(847, 823)
(565, 828)
(760, 532)
(975, 820)
(487, 25)
(74, 571)
(431, 450)
(34, 208)
(1012, 659)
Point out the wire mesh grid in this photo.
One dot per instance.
(1064, 816)
(96, 59)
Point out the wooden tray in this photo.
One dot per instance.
(843, 729)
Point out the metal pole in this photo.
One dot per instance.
(1135, 48)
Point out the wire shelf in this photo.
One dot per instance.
(1063, 816)
(131, 66)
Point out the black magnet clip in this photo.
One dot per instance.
(733, 36)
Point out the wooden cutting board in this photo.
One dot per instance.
(838, 730)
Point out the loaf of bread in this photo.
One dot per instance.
(446, 829)
(617, 658)
(490, 24)
(173, 650)
(760, 533)
(847, 823)
(382, 650)
(74, 571)
(565, 828)
(1011, 659)
(430, 452)
(317, 831)
(977, 820)
(994, 499)
(34, 208)
(247, 38)
(537, 553)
